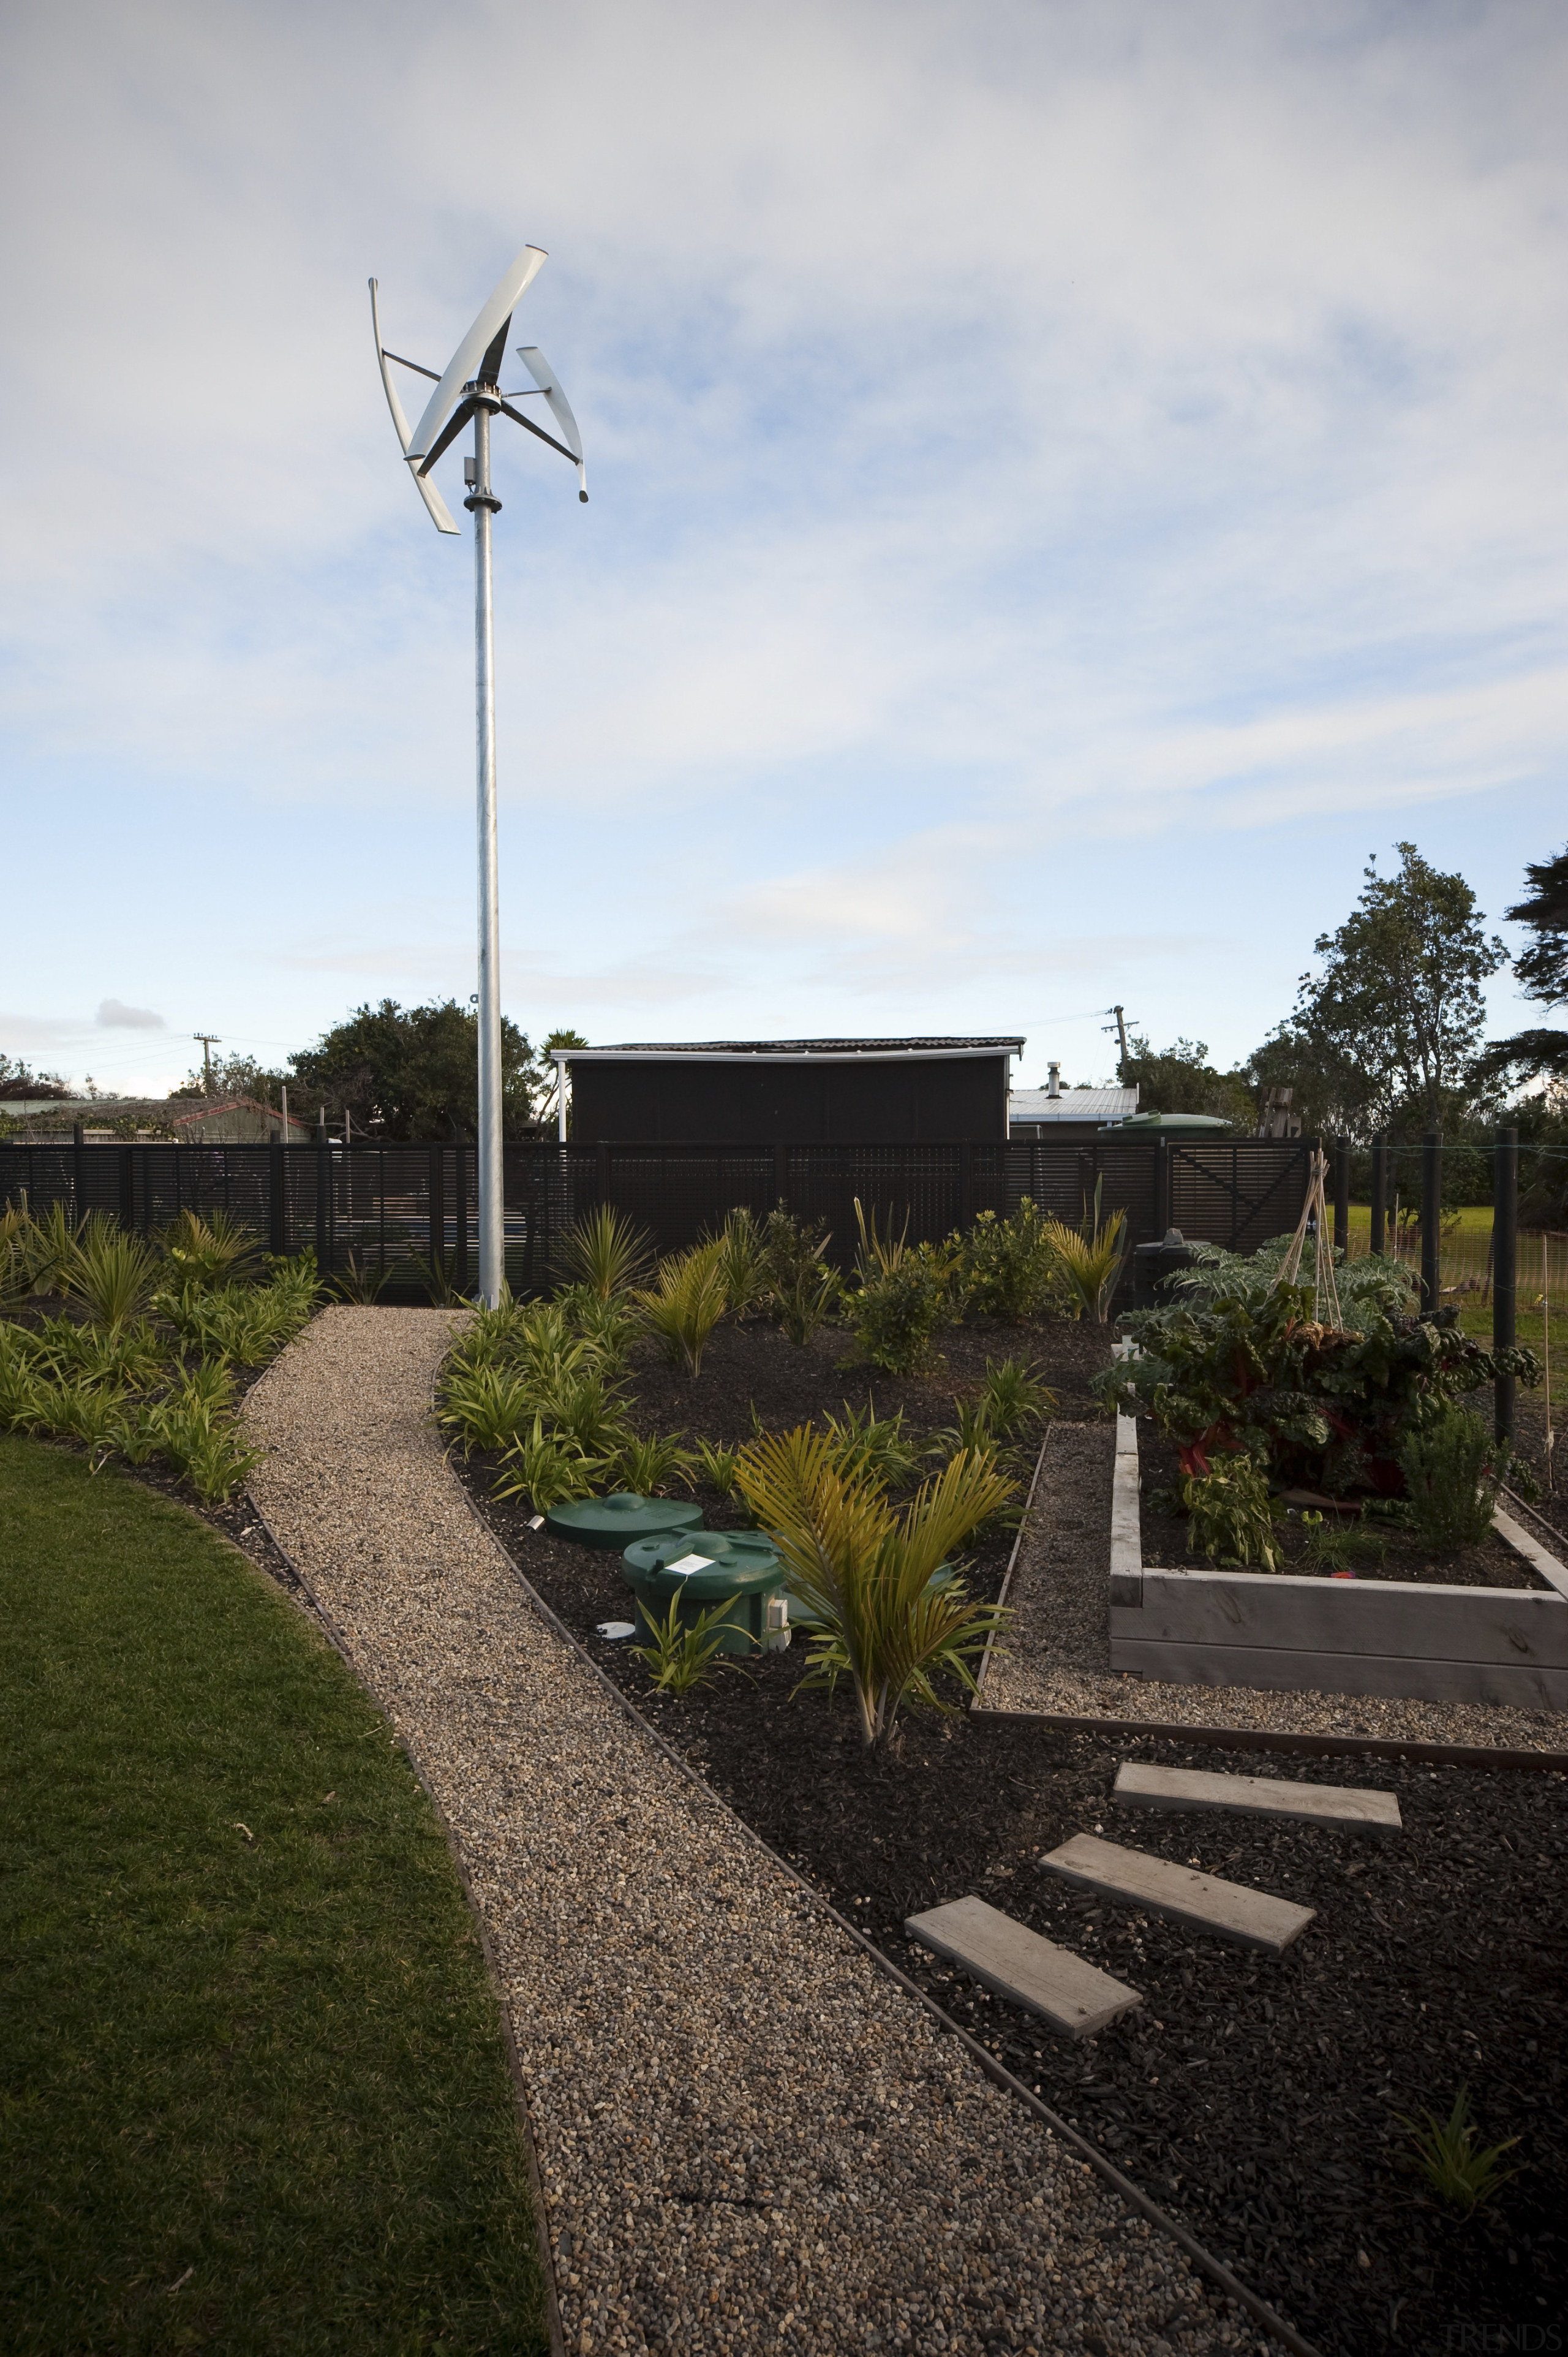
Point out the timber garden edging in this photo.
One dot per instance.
(1304, 1632)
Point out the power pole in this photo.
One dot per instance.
(209, 1041)
(1120, 1029)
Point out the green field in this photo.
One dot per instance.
(1542, 1298)
(256, 2096)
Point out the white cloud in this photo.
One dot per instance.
(114, 1015)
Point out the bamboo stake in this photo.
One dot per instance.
(1546, 1355)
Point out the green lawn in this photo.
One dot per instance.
(1466, 1236)
(255, 2091)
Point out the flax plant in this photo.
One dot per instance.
(1090, 1263)
(865, 1573)
(113, 1276)
(605, 1252)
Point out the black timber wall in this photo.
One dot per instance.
(903, 1100)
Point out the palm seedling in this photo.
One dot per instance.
(686, 1303)
(605, 1252)
(1089, 1263)
(866, 1574)
(112, 1274)
(208, 1250)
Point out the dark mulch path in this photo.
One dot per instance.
(1406, 1558)
(1257, 2100)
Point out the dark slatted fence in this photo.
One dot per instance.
(386, 1203)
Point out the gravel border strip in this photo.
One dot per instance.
(997, 2073)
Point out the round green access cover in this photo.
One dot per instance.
(611, 1522)
(736, 1559)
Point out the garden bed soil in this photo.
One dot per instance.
(1258, 2101)
(1492, 1564)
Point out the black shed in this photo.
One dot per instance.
(791, 1092)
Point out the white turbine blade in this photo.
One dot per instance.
(518, 276)
(544, 376)
(440, 515)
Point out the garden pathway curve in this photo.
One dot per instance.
(750, 2140)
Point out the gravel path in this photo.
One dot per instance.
(750, 2140)
(1058, 1648)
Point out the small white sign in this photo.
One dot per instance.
(690, 1563)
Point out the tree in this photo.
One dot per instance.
(1182, 1079)
(548, 1096)
(17, 1080)
(412, 1072)
(1542, 969)
(235, 1076)
(1391, 1020)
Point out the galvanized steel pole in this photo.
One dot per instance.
(482, 504)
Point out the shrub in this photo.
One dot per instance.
(897, 1311)
(486, 1407)
(588, 1413)
(802, 1289)
(1009, 1269)
(209, 1251)
(604, 1252)
(1453, 1469)
(867, 1574)
(1314, 1405)
(1231, 1516)
(685, 1304)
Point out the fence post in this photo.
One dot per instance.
(1431, 1222)
(1342, 1198)
(78, 1171)
(602, 1161)
(1505, 1267)
(966, 1183)
(436, 1210)
(323, 1255)
(1162, 1191)
(461, 1156)
(782, 1173)
(128, 1188)
(278, 1199)
(1380, 1195)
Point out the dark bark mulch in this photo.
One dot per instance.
(1257, 2100)
(1492, 1564)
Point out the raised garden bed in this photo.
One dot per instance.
(1256, 2100)
(1465, 1638)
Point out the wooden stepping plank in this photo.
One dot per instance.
(1018, 1965)
(1141, 1787)
(1255, 1918)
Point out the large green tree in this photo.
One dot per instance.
(1386, 1029)
(1543, 970)
(1180, 1079)
(412, 1072)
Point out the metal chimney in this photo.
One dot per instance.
(1053, 1080)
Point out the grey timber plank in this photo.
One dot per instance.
(1516, 1626)
(1554, 1573)
(1279, 1671)
(1126, 1521)
(1073, 1997)
(1139, 1786)
(1253, 1918)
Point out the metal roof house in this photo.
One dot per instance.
(1068, 1116)
(789, 1092)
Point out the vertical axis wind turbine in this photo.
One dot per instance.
(470, 389)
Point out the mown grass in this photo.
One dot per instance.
(255, 2089)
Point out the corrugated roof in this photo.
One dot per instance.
(1073, 1104)
(1012, 1044)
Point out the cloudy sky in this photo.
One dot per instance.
(1068, 483)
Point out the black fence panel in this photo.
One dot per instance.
(388, 1205)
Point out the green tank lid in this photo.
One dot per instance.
(735, 1556)
(611, 1522)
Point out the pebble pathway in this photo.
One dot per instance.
(749, 2139)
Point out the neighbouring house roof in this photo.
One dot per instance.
(792, 1050)
(181, 1115)
(1098, 1105)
